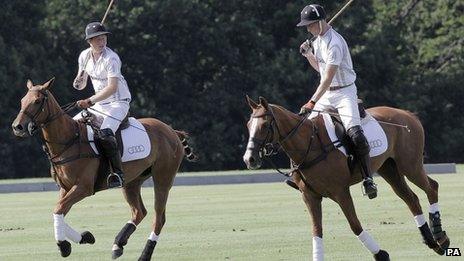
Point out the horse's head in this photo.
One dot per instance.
(34, 109)
(261, 133)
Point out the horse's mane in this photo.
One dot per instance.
(283, 109)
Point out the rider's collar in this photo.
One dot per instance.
(326, 36)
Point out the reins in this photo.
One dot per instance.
(50, 118)
(282, 139)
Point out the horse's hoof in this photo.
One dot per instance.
(439, 250)
(147, 251)
(444, 241)
(116, 251)
(87, 238)
(382, 255)
(64, 247)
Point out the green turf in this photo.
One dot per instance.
(228, 222)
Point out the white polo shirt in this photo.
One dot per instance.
(331, 48)
(108, 65)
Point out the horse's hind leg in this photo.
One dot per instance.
(346, 204)
(430, 187)
(131, 192)
(391, 174)
(162, 185)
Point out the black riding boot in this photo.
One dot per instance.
(362, 152)
(110, 147)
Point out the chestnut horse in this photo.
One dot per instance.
(323, 171)
(75, 167)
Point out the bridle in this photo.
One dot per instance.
(34, 127)
(268, 146)
(44, 105)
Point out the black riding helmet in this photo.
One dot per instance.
(311, 14)
(94, 29)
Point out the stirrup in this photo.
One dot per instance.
(114, 180)
(292, 184)
(369, 189)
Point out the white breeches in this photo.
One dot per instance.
(113, 113)
(345, 101)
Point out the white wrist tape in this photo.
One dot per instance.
(153, 237)
(59, 225)
(369, 242)
(318, 249)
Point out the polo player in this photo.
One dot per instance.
(329, 55)
(112, 96)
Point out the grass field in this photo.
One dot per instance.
(229, 222)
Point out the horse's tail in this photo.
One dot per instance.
(192, 157)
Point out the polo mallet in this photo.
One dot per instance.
(87, 58)
(309, 41)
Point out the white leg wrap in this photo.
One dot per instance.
(420, 220)
(72, 234)
(434, 208)
(318, 249)
(153, 237)
(369, 242)
(59, 225)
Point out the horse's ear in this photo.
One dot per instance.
(29, 84)
(47, 85)
(252, 103)
(263, 102)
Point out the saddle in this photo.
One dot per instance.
(343, 137)
(95, 122)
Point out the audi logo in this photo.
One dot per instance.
(375, 143)
(136, 149)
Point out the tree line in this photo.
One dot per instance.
(190, 63)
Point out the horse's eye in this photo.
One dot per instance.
(37, 101)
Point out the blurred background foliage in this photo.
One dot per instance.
(190, 63)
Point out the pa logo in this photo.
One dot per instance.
(453, 251)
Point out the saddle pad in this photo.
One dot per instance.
(374, 133)
(135, 139)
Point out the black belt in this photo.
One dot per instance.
(334, 88)
(126, 100)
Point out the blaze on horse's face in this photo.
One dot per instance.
(259, 130)
(33, 105)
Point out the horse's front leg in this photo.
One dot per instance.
(345, 202)
(63, 230)
(313, 203)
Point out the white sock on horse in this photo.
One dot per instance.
(59, 225)
(153, 237)
(420, 220)
(318, 249)
(434, 208)
(72, 234)
(369, 242)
